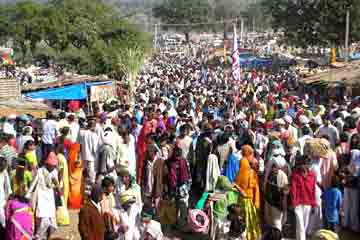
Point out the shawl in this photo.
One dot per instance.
(328, 167)
(141, 148)
(212, 172)
(182, 177)
(232, 167)
(248, 181)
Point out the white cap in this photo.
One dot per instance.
(280, 121)
(261, 120)
(288, 119)
(317, 120)
(345, 114)
(241, 116)
(304, 119)
(355, 112)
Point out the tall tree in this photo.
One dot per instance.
(316, 22)
(84, 36)
(188, 12)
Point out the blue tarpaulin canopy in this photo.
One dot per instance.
(72, 92)
(253, 62)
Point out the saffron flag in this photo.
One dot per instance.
(235, 58)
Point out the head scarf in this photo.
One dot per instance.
(325, 235)
(154, 229)
(127, 196)
(248, 152)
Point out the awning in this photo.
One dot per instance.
(99, 83)
(73, 92)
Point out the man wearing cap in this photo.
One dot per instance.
(50, 133)
(9, 125)
(152, 231)
(91, 222)
(74, 127)
(44, 186)
(290, 128)
(304, 122)
(89, 142)
(129, 216)
(330, 131)
(125, 182)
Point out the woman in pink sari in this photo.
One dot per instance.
(19, 219)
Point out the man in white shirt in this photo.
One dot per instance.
(184, 141)
(74, 128)
(63, 122)
(127, 153)
(306, 136)
(5, 190)
(291, 129)
(8, 126)
(50, 132)
(43, 189)
(89, 142)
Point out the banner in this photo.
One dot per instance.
(235, 58)
(101, 93)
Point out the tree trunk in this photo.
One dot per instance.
(187, 36)
(132, 87)
(225, 32)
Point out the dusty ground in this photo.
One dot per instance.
(71, 232)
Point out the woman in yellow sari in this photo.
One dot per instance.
(247, 183)
(62, 213)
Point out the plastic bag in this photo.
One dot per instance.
(62, 214)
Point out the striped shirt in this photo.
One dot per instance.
(9, 154)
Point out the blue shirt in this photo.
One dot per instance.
(332, 199)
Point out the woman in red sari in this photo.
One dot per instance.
(148, 127)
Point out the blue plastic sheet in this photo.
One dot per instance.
(73, 92)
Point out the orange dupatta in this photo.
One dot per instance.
(75, 177)
(248, 181)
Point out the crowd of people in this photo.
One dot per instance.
(193, 152)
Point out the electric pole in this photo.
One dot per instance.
(347, 33)
(156, 36)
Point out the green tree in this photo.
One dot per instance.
(22, 24)
(84, 36)
(317, 22)
(188, 12)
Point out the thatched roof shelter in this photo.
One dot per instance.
(348, 75)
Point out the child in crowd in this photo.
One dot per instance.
(332, 202)
(29, 154)
(237, 223)
(343, 150)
